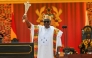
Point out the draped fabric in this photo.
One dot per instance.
(13, 27)
(36, 30)
(73, 16)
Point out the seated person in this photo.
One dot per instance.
(69, 50)
(14, 40)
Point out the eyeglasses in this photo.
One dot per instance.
(46, 21)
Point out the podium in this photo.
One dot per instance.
(17, 50)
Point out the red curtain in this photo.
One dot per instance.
(13, 28)
(73, 16)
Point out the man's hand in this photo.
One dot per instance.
(26, 21)
(24, 17)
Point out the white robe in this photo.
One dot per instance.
(45, 41)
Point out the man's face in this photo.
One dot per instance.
(46, 23)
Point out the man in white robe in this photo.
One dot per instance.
(45, 38)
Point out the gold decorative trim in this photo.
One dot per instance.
(42, 1)
(52, 13)
(18, 52)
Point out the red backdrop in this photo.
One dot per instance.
(73, 16)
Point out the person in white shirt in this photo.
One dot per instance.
(46, 38)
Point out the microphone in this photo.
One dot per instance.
(64, 26)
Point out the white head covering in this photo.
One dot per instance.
(46, 16)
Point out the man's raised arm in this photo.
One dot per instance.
(27, 21)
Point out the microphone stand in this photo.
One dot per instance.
(65, 41)
(65, 34)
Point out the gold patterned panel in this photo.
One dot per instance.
(89, 12)
(5, 19)
(53, 14)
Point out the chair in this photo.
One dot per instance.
(86, 39)
(85, 31)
